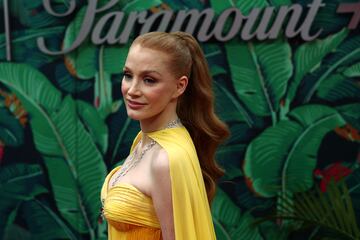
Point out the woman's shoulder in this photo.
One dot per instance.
(177, 149)
(175, 143)
(160, 164)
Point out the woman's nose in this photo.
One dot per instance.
(134, 88)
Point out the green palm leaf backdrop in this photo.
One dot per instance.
(293, 108)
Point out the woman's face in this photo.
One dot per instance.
(148, 86)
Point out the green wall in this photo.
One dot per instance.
(292, 107)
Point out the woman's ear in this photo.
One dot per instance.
(181, 85)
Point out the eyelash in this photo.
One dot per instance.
(126, 75)
(147, 80)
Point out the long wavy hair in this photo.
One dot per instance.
(195, 106)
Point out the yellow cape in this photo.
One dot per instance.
(192, 216)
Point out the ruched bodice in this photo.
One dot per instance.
(129, 212)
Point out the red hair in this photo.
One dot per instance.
(195, 106)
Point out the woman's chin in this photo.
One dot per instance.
(135, 115)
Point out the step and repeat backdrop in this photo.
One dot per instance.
(286, 80)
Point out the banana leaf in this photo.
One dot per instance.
(345, 55)
(353, 71)
(122, 131)
(327, 17)
(96, 126)
(11, 131)
(234, 111)
(137, 5)
(33, 14)
(244, 6)
(18, 182)
(351, 113)
(43, 223)
(230, 223)
(68, 83)
(24, 47)
(260, 73)
(75, 166)
(283, 157)
(338, 88)
(331, 211)
(90, 61)
(309, 56)
(353, 184)
(231, 153)
(15, 232)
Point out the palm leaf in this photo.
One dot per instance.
(77, 180)
(18, 182)
(280, 2)
(346, 54)
(260, 73)
(43, 223)
(215, 57)
(95, 125)
(137, 5)
(229, 156)
(309, 56)
(231, 153)
(351, 113)
(89, 61)
(15, 232)
(11, 132)
(244, 6)
(234, 111)
(353, 183)
(353, 71)
(122, 131)
(285, 154)
(332, 211)
(229, 221)
(337, 88)
(68, 83)
(327, 17)
(273, 231)
(32, 14)
(114, 58)
(24, 46)
(37, 89)
(74, 164)
(21, 181)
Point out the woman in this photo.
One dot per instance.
(164, 187)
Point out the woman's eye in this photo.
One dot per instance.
(126, 76)
(149, 81)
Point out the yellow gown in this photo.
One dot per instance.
(130, 213)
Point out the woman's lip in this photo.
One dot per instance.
(134, 105)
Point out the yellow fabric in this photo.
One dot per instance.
(129, 212)
(124, 204)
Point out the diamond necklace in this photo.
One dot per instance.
(134, 160)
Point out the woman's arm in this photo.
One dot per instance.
(161, 194)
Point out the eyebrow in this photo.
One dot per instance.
(143, 72)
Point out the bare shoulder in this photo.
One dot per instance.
(160, 163)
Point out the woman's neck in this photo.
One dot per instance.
(157, 123)
(148, 126)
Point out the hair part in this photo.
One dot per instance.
(195, 106)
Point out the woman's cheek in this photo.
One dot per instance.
(124, 88)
